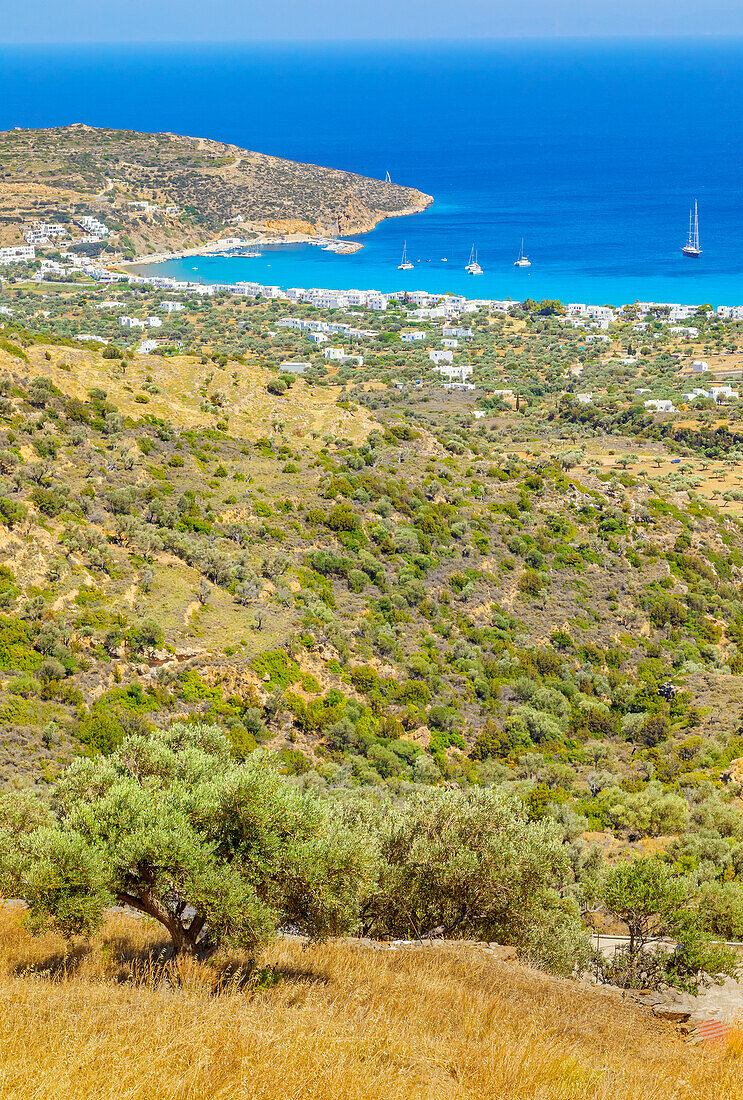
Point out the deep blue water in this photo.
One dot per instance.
(591, 151)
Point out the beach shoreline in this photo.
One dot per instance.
(346, 246)
(218, 246)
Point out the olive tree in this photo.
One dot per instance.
(220, 853)
(471, 864)
(659, 908)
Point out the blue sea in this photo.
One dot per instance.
(592, 152)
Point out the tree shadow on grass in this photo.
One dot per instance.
(155, 965)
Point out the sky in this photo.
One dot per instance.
(68, 21)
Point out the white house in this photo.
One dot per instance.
(450, 343)
(721, 389)
(340, 355)
(171, 307)
(661, 406)
(460, 373)
(17, 254)
(295, 368)
(584, 398)
(699, 366)
(154, 322)
(147, 346)
(318, 337)
(130, 322)
(438, 356)
(93, 226)
(682, 313)
(412, 337)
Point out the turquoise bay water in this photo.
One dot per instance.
(592, 152)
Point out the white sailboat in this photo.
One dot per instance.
(472, 266)
(388, 177)
(523, 260)
(405, 264)
(691, 248)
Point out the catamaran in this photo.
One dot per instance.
(405, 264)
(523, 260)
(473, 266)
(691, 248)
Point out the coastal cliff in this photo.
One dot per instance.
(164, 191)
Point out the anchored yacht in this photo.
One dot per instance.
(523, 260)
(691, 248)
(473, 266)
(405, 264)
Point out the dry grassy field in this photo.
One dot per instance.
(336, 1021)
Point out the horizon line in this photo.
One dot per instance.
(469, 40)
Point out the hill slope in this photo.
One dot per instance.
(63, 171)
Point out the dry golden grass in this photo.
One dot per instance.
(250, 409)
(342, 1021)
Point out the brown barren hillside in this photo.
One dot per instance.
(68, 171)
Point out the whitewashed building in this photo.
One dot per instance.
(437, 355)
(93, 226)
(459, 372)
(17, 254)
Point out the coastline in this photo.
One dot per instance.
(218, 245)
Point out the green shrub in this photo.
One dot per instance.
(12, 511)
